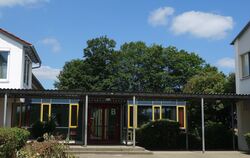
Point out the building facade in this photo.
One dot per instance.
(16, 59)
(108, 121)
(242, 76)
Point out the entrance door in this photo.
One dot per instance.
(104, 124)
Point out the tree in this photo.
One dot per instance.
(230, 84)
(207, 81)
(210, 80)
(134, 67)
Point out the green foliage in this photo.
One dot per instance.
(218, 136)
(134, 67)
(11, 140)
(247, 137)
(160, 134)
(39, 128)
(207, 81)
(229, 86)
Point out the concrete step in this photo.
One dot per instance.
(111, 152)
(76, 150)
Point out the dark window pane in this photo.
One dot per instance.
(23, 113)
(60, 113)
(16, 115)
(131, 114)
(73, 115)
(169, 112)
(34, 113)
(144, 114)
(3, 64)
(157, 113)
(45, 113)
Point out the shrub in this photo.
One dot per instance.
(247, 137)
(46, 149)
(160, 134)
(11, 140)
(39, 128)
(49, 126)
(218, 136)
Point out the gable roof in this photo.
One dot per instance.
(36, 84)
(241, 33)
(35, 56)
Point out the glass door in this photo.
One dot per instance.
(104, 124)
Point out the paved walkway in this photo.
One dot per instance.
(176, 154)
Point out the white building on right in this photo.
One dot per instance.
(242, 76)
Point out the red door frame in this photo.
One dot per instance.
(117, 124)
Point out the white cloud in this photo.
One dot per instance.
(202, 25)
(46, 72)
(53, 43)
(226, 62)
(159, 16)
(11, 3)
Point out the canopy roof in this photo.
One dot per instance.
(78, 94)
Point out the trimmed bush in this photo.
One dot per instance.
(11, 140)
(247, 137)
(218, 136)
(160, 134)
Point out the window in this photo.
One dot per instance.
(157, 114)
(181, 116)
(245, 67)
(3, 64)
(60, 113)
(27, 64)
(73, 115)
(45, 112)
(144, 114)
(130, 116)
(169, 112)
(24, 115)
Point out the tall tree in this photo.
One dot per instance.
(134, 67)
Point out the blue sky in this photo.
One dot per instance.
(59, 29)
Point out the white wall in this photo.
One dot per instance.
(242, 46)
(15, 63)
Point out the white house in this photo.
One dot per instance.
(17, 59)
(242, 72)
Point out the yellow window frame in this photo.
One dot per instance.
(135, 117)
(41, 112)
(153, 111)
(70, 115)
(177, 114)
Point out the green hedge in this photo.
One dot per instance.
(160, 134)
(218, 136)
(11, 140)
(247, 137)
